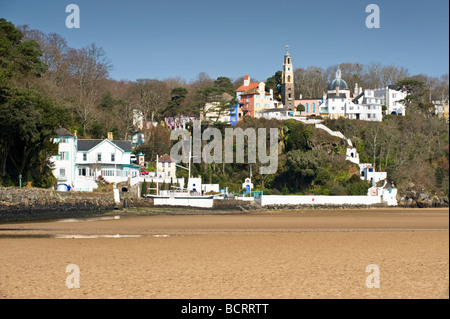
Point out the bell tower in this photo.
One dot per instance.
(287, 82)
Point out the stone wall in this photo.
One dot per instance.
(17, 204)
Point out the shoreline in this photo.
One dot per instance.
(49, 215)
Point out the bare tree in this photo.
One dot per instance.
(310, 82)
(89, 67)
(151, 96)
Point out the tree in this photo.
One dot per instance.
(144, 190)
(222, 108)
(274, 83)
(301, 108)
(28, 118)
(152, 97)
(28, 122)
(159, 143)
(174, 106)
(18, 58)
(89, 68)
(310, 82)
(417, 90)
(224, 85)
(204, 95)
(303, 166)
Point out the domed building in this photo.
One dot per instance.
(339, 103)
(338, 86)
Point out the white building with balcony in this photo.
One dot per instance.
(80, 163)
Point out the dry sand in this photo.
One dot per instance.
(270, 255)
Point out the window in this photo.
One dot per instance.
(84, 157)
(64, 156)
(82, 172)
(307, 107)
(163, 164)
(64, 140)
(62, 172)
(113, 157)
(169, 164)
(107, 172)
(99, 157)
(314, 107)
(289, 79)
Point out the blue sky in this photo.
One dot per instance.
(162, 39)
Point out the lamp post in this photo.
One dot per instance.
(20, 180)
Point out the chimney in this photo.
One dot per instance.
(75, 133)
(110, 136)
(246, 80)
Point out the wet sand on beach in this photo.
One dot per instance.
(282, 254)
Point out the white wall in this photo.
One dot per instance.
(192, 202)
(318, 200)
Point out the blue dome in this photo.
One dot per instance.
(338, 83)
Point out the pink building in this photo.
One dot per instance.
(311, 106)
(255, 100)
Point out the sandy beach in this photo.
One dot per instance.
(261, 255)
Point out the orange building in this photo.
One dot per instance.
(255, 100)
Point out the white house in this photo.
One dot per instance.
(64, 162)
(369, 174)
(387, 193)
(390, 97)
(365, 106)
(83, 161)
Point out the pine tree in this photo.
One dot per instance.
(144, 188)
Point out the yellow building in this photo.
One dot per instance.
(167, 166)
